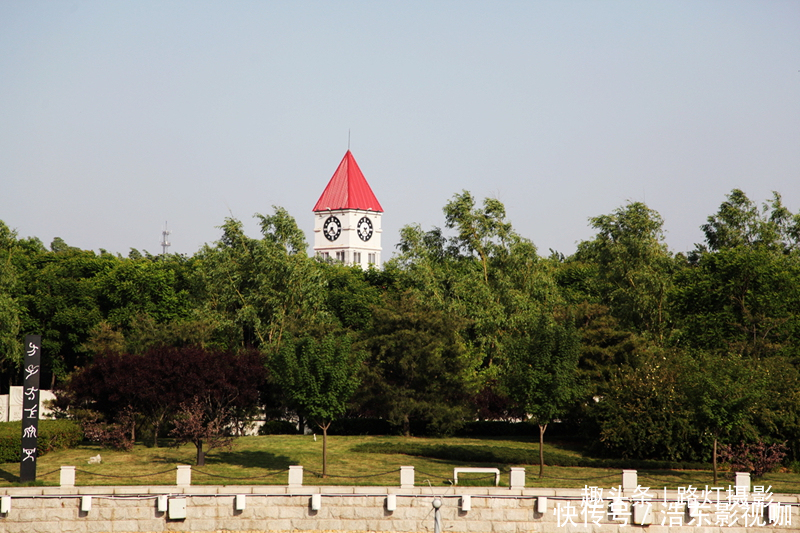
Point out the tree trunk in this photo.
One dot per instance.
(406, 426)
(325, 448)
(201, 456)
(714, 460)
(542, 429)
(156, 428)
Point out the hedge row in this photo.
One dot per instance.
(487, 428)
(501, 455)
(343, 426)
(278, 427)
(53, 435)
(496, 428)
(378, 426)
(361, 426)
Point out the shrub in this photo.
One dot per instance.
(498, 428)
(278, 427)
(53, 435)
(117, 435)
(756, 458)
(361, 426)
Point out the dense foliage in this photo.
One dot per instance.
(645, 353)
(53, 435)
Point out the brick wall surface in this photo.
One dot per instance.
(281, 508)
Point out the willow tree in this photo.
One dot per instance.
(634, 268)
(257, 290)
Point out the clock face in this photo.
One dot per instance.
(332, 228)
(364, 228)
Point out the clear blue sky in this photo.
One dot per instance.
(118, 116)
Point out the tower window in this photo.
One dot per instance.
(340, 256)
(357, 258)
(371, 258)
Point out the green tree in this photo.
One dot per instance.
(10, 322)
(451, 281)
(634, 267)
(645, 413)
(419, 368)
(256, 290)
(319, 377)
(349, 294)
(158, 287)
(726, 393)
(541, 373)
(480, 232)
(741, 293)
(144, 333)
(59, 300)
(778, 419)
(485, 273)
(740, 300)
(739, 222)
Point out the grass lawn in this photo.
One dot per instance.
(265, 459)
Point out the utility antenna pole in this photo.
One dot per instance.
(165, 239)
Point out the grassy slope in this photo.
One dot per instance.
(264, 460)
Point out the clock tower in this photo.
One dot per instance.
(347, 218)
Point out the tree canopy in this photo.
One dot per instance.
(645, 352)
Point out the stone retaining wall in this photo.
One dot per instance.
(340, 508)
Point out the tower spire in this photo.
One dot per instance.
(347, 216)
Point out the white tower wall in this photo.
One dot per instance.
(351, 248)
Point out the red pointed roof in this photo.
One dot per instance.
(348, 189)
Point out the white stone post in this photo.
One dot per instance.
(184, 477)
(516, 479)
(742, 480)
(630, 479)
(67, 476)
(406, 477)
(296, 476)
